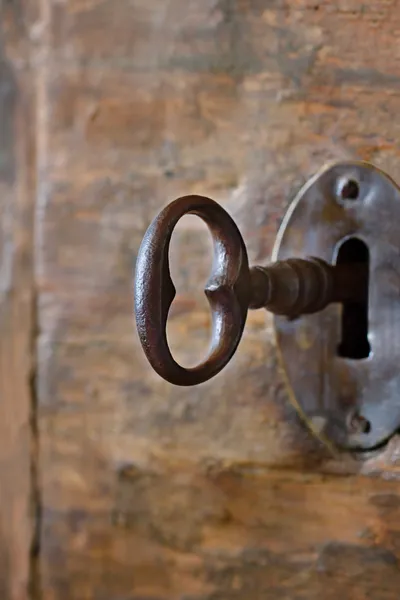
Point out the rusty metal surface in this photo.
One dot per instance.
(299, 286)
(227, 290)
(350, 403)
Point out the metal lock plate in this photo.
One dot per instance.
(343, 363)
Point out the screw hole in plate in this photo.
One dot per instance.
(349, 189)
(358, 424)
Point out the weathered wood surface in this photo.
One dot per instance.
(17, 196)
(217, 492)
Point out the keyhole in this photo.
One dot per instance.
(354, 343)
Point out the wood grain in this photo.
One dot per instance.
(17, 298)
(216, 492)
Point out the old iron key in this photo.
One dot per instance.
(293, 287)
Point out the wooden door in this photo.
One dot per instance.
(115, 485)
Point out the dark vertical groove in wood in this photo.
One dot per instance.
(35, 586)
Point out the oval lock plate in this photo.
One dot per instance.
(343, 364)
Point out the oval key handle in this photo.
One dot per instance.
(291, 287)
(227, 290)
